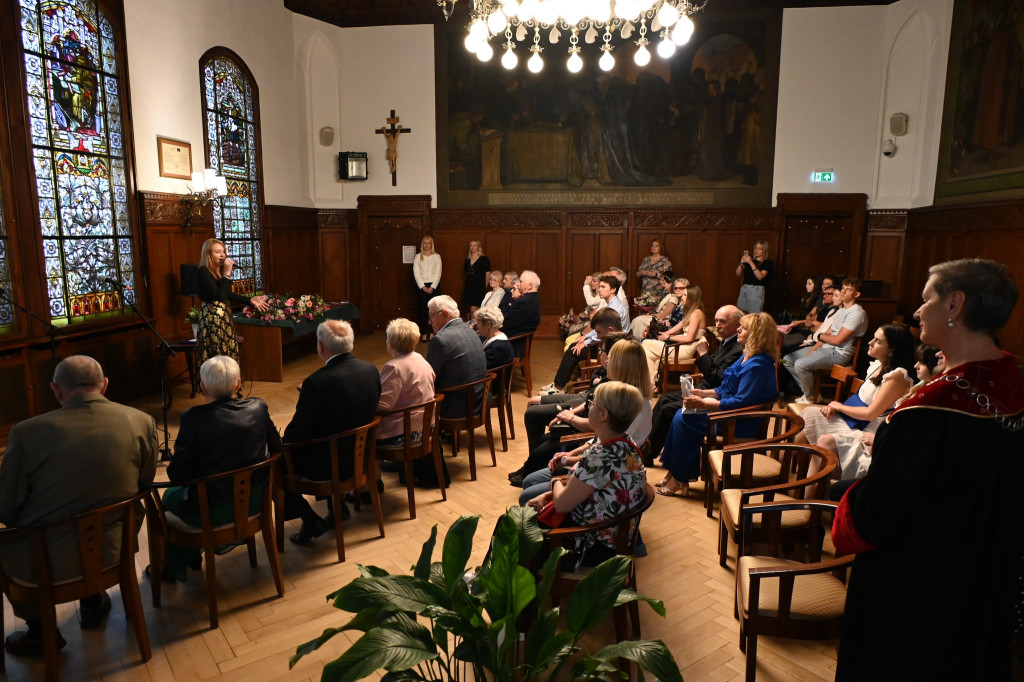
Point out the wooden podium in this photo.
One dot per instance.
(267, 343)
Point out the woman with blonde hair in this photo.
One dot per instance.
(756, 271)
(640, 326)
(749, 381)
(495, 293)
(426, 270)
(216, 334)
(686, 331)
(477, 268)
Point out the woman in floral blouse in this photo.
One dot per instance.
(651, 269)
(610, 478)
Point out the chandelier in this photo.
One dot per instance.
(594, 21)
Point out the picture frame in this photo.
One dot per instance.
(981, 145)
(515, 139)
(174, 157)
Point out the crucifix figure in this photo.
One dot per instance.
(391, 136)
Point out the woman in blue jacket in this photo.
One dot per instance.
(750, 381)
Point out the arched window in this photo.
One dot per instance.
(232, 133)
(73, 83)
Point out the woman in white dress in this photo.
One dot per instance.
(687, 332)
(848, 428)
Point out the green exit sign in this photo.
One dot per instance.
(822, 176)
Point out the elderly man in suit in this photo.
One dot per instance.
(711, 366)
(524, 313)
(455, 353)
(89, 453)
(341, 395)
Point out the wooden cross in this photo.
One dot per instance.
(391, 135)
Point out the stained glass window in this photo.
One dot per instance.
(74, 107)
(232, 143)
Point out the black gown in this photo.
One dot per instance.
(476, 282)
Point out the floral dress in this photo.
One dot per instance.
(653, 285)
(616, 470)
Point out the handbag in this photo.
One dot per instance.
(655, 328)
(549, 517)
(854, 401)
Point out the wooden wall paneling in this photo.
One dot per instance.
(290, 242)
(16, 389)
(883, 249)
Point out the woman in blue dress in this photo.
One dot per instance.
(750, 381)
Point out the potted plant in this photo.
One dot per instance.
(476, 622)
(192, 317)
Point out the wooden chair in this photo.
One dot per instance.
(363, 441)
(846, 382)
(821, 375)
(502, 400)
(734, 500)
(523, 358)
(478, 413)
(163, 527)
(755, 469)
(626, 529)
(46, 591)
(671, 364)
(787, 598)
(713, 440)
(411, 450)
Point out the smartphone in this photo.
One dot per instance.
(745, 253)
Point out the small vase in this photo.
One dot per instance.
(195, 330)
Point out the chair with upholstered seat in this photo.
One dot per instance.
(781, 598)
(739, 471)
(825, 373)
(478, 413)
(411, 449)
(163, 526)
(721, 432)
(805, 458)
(626, 531)
(671, 364)
(46, 591)
(523, 357)
(364, 475)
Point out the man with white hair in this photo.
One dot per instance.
(524, 314)
(455, 353)
(89, 453)
(341, 395)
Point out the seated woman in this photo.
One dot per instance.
(609, 479)
(843, 428)
(220, 435)
(497, 348)
(626, 363)
(803, 322)
(663, 311)
(686, 332)
(747, 382)
(495, 292)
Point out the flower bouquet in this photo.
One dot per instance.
(646, 302)
(288, 307)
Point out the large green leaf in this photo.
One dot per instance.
(402, 676)
(595, 595)
(422, 568)
(627, 596)
(545, 646)
(652, 655)
(362, 621)
(388, 647)
(458, 545)
(530, 536)
(402, 592)
(547, 575)
(371, 571)
(496, 576)
(312, 645)
(523, 589)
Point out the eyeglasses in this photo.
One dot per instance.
(678, 288)
(436, 312)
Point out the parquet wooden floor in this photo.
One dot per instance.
(259, 632)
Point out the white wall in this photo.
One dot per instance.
(165, 42)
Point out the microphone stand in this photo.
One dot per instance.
(165, 350)
(52, 330)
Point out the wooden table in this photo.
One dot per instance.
(267, 343)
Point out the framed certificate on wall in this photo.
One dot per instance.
(175, 158)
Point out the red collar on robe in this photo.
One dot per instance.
(998, 380)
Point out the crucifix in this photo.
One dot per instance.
(391, 135)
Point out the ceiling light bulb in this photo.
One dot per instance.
(509, 59)
(642, 56)
(666, 48)
(496, 23)
(668, 15)
(471, 43)
(683, 30)
(607, 61)
(484, 52)
(510, 8)
(575, 64)
(535, 63)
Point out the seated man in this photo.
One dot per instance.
(606, 318)
(711, 366)
(523, 315)
(507, 282)
(832, 344)
(455, 353)
(341, 395)
(86, 454)
(620, 275)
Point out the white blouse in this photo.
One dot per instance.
(427, 269)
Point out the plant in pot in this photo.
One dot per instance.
(492, 624)
(192, 317)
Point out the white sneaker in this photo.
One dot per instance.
(550, 389)
(804, 400)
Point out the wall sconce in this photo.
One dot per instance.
(207, 187)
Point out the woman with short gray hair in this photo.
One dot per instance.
(497, 348)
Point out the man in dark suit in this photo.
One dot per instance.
(341, 395)
(524, 313)
(455, 353)
(89, 453)
(711, 365)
